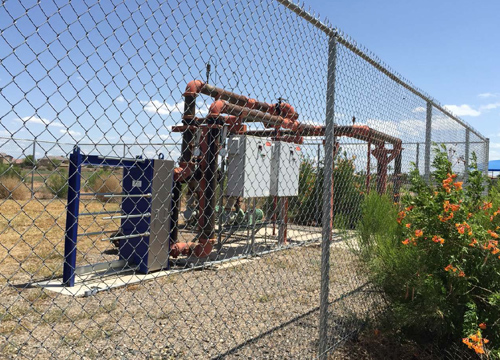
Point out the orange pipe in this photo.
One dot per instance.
(219, 107)
(196, 87)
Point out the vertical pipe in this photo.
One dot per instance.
(209, 183)
(72, 210)
(327, 198)
(33, 168)
(281, 217)
(254, 226)
(397, 176)
(427, 156)
(381, 174)
(174, 217)
(222, 180)
(467, 149)
(187, 135)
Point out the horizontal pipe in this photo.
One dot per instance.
(126, 216)
(131, 236)
(100, 213)
(119, 158)
(267, 119)
(113, 195)
(128, 196)
(195, 87)
(98, 233)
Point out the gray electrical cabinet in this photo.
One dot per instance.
(285, 168)
(161, 202)
(249, 166)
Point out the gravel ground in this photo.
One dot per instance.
(266, 308)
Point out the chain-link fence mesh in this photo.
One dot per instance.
(165, 172)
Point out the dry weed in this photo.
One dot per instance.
(13, 188)
(109, 184)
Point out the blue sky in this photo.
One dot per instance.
(114, 71)
(448, 48)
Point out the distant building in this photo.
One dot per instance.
(5, 158)
(18, 161)
(53, 161)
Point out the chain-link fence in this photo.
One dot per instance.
(184, 179)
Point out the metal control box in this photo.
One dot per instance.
(148, 215)
(249, 166)
(285, 169)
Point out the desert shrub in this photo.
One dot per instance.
(11, 171)
(107, 182)
(437, 260)
(99, 174)
(29, 161)
(377, 224)
(57, 183)
(53, 164)
(13, 188)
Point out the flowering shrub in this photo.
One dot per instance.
(440, 266)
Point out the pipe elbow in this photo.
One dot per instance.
(288, 111)
(193, 88)
(183, 172)
(216, 108)
(201, 249)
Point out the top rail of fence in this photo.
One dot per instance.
(372, 60)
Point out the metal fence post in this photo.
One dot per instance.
(327, 198)
(486, 155)
(427, 156)
(33, 168)
(417, 160)
(467, 150)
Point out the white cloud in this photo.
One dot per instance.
(120, 99)
(462, 110)
(490, 106)
(411, 127)
(156, 106)
(70, 132)
(419, 109)
(488, 95)
(37, 120)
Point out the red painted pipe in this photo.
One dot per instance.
(250, 115)
(195, 87)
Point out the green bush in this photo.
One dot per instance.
(437, 260)
(307, 207)
(100, 174)
(10, 171)
(29, 161)
(57, 183)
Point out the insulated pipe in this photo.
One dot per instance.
(249, 115)
(384, 157)
(195, 87)
(174, 217)
(209, 147)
